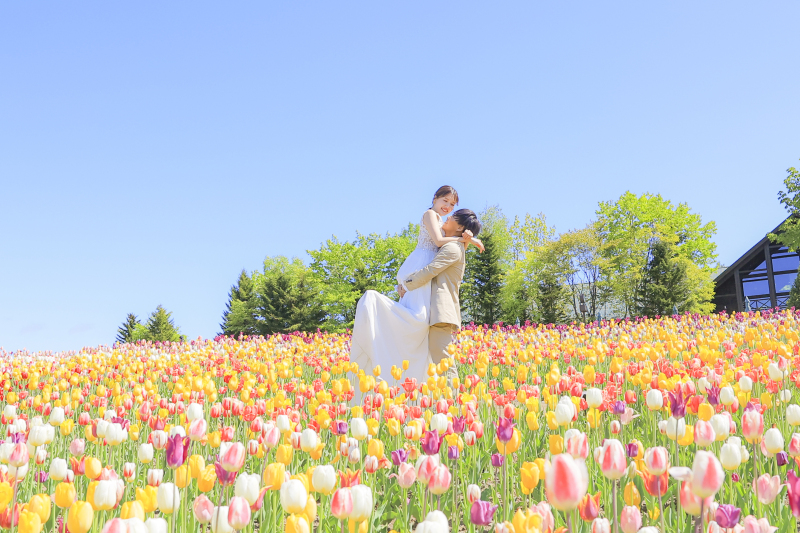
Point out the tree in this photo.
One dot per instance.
(665, 284)
(125, 331)
(480, 293)
(160, 326)
(239, 317)
(630, 226)
(551, 299)
(794, 294)
(286, 298)
(345, 270)
(789, 232)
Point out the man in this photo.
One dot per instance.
(445, 273)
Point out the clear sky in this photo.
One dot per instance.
(151, 150)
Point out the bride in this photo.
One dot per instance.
(387, 333)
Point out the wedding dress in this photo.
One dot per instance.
(386, 332)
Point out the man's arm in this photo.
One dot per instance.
(447, 255)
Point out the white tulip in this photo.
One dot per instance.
(324, 479)
(56, 416)
(565, 411)
(135, 525)
(726, 395)
(439, 423)
(703, 385)
(168, 498)
(248, 486)
(294, 496)
(721, 425)
(358, 428)
(109, 415)
(284, 425)
(58, 469)
(145, 453)
(676, 429)
(177, 430)
(362, 503)
(594, 398)
(654, 399)
(10, 411)
(730, 456)
(219, 520)
(37, 436)
(773, 440)
(775, 372)
(785, 395)
(116, 434)
(793, 414)
(159, 525)
(194, 412)
(745, 384)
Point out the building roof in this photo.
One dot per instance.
(757, 247)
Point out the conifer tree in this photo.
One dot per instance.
(794, 294)
(287, 302)
(551, 299)
(125, 331)
(483, 278)
(664, 284)
(238, 317)
(161, 327)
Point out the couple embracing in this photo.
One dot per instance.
(421, 325)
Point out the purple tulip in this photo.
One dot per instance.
(459, 424)
(177, 451)
(497, 460)
(713, 395)
(19, 437)
(42, 476)
(727, 515)
(482, 513)
(735, 477)
(793, 492)
(399, 457)
(453, 453)
(505, 429)
(341, 427)
(782, 458)
(632, 449)
(619, 407)
(430, 442)
(225, 478)
(677, 403)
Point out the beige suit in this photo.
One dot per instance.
(445, 273)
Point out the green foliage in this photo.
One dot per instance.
(627, 229)
(483, 279)
(789, 232)
(794, 294)
(580, 267)
(665, 284)
(345, 270)
(160, 326)
(286, 298)
(125, 331)
(551, 299)
(140, 333)
(239, 316)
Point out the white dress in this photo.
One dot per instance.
(386, 332)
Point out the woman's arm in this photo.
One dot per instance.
(432, 225)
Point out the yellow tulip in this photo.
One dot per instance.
(529, 477)
(511, 446)
(372, 427)
(284, 454)
(66, 427)
(133, 509)
(182, 477)
(207, 479)
(29, 522)
(533, 421)
(705, 411)
(552, 423)
(40, 504)
(79, 519)
(214, 439)
(93, 468)
(274, 476)
(393, 425)
(316, 453)
(197, 464)
(65, 495)
(6, 493)
(631, 495)
(147, 497)
(556, 444)
(297, 524)
(376, 448)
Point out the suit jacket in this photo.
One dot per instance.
(445, 273)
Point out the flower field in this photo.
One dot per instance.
(676, 424)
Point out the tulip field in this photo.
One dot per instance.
(675, 424)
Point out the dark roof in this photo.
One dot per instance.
(725, 274)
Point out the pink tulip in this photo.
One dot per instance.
(342, 504)
(548, 520)
(615, 427)
(238, 513)
(601, 525)
(197, 429)
(159, 438)
(704, 434)
(578, 446)
(690, 502)
(767, 488)
(707, 474)
(77, 447)
(794, 445)
(370, 464)
(631, 519)
(271, 437)
(115, 525)
(752, 424)
(566, 482)
(19, 455)
(656, 459)
(440, 480)
(612, 459)
(751, 525)
(203, 509)
(407, 475)
(232, 459)
(426, 464)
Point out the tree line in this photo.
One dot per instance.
(642, 255)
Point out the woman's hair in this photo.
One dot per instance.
(444, 190)
(468, 220)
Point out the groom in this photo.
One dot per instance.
(445, 273)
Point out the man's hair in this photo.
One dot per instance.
(469, 220)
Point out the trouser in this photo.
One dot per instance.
(439, 337)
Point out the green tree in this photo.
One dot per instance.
(665, 284)
(794, 294)
(551, 299)
(788, 233)
(480, 292)
(630, 226)
(239, 316)
(286, 298)
(160, 326)
(345, 270)
(125, 331)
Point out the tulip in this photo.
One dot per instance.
(29, 522)
(612, 459)
(177, 451)
(197, 429)
(529, 477)
(233, 457)
(133, 509)
(730, 456)
(482, 513)
(219, 521)
(425, 466)
(594, 398)
(565, 411)
(704, 435)
(168, 498)
(79, 518)
(435, 522)
(675, 428)
(578, 445)
(358, 428)
(707, 474)
(145, 453)
(362, 503)
(656, 460)
(159, 439)
(274, 475)
(767, 488)
(247, 486)
(406, 476)
(155, 476)
(58, 469)
(566, 482)
(293, 496)
(19, 455)
(203, 509)
(589, 508)
(65, 495)
(654, 400)
(752, 525)
(473, 493)
(752, 424)
(440, 480)
(793, 414)
(773, 440)
(727, 516)
(102, 494)
(342, 503)
(238, 513)
(601, 525)
(631, 519)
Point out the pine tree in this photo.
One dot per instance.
(238, 317)
(480, 294)
(794, 294)
(664, 284)
(287, 303)
(125, 331)
(551, 299)
(161, 327)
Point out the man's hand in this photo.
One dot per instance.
(401, 291)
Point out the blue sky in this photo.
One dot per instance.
(150, 151)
